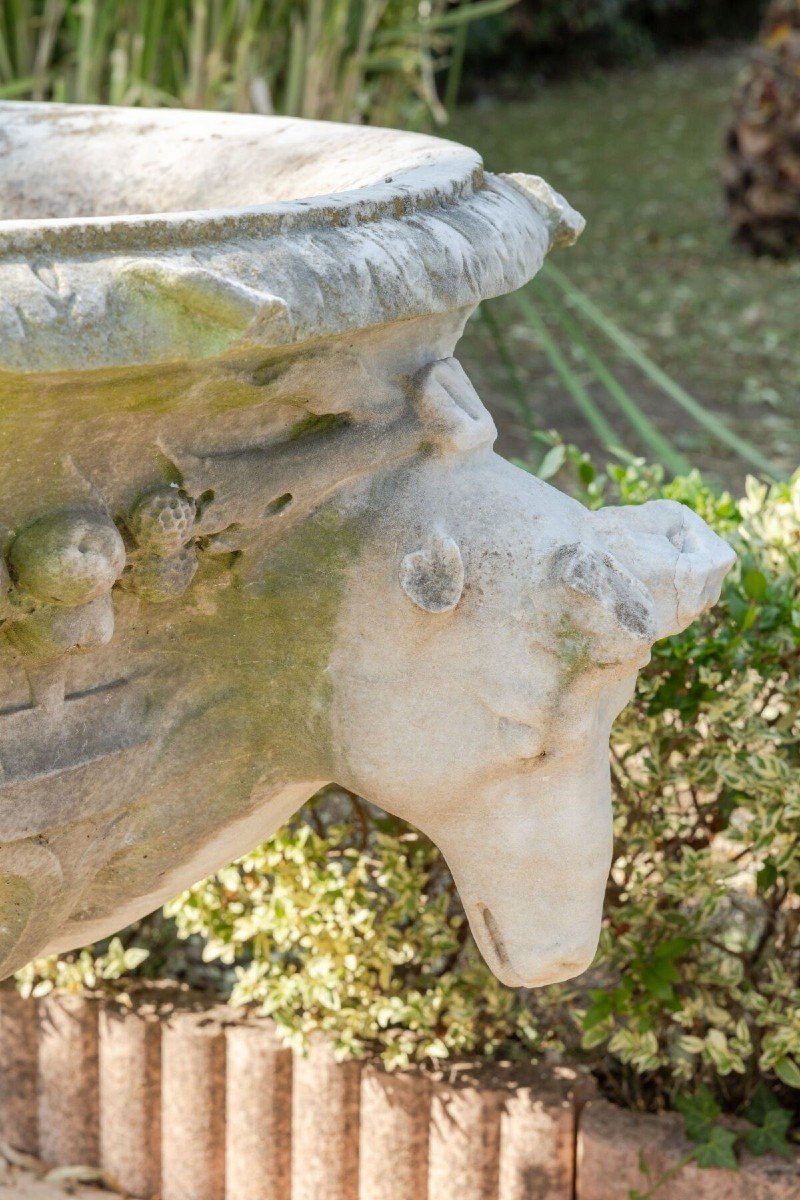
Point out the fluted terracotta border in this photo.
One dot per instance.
(201, 1105)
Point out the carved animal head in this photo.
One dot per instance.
(478, 670)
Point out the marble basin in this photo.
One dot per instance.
(255, 539)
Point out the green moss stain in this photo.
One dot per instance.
(573, 648)
(298, 597)
(263, 650)
(256, 711)
(316, 425)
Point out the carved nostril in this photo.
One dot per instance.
(493, 931)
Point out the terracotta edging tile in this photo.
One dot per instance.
(537, 1135)
(464, 1159)
(193, 1107)
(19, 1053)
(611, 1141)
(395, 1120)
(325, 1126)
(259, 1114)
(130, 1100)
(69, 1116)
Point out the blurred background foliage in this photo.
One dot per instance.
(330, 59)
(554, 37)
(334, 59)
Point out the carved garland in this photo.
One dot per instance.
(58, 573)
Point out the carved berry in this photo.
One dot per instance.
(53, 630)
(162, 520)
(68, 558)
(157, 578)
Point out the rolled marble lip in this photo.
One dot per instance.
(268, 230)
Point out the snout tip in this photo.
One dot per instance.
(532, 966)
(543, 972)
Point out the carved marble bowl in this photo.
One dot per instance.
(206, 325)
(254, 538)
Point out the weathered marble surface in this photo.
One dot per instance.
(255, 538)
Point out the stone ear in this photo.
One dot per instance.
(433, 576)
(608, 604)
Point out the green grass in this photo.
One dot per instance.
(637, 151)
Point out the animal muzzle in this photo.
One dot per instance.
(531, 872)
(534, 963)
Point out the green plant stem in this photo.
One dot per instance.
(19, 87)
(87, 56)
(662, 1179)
(681, 397)
(570, 380)
(657, 445)
(456, 68)
(343, 60)
(520, 393)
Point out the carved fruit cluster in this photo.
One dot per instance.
(58, 573)
(56, 588)
(164, 562)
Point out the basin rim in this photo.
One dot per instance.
(427, 239)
